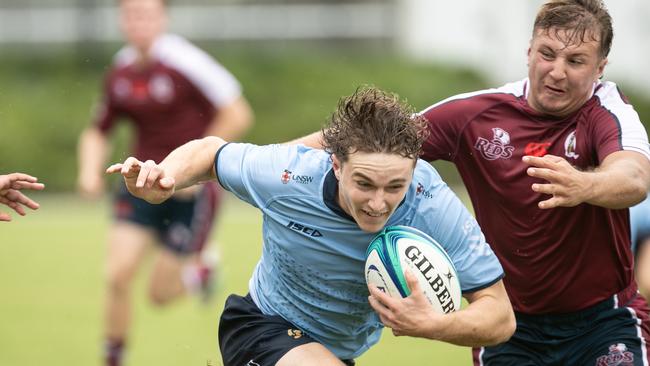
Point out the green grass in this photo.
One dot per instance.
(51, 267)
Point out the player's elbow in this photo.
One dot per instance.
(508, 328)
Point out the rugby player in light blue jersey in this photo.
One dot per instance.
(640, 235)
(308, 302)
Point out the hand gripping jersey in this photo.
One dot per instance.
(312, 267)
(558, 260)
(169, 101)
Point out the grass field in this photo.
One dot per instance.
(52, 291)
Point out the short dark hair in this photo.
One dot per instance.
(374, 121)
(580, 19)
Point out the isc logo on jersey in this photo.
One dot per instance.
(397, 248)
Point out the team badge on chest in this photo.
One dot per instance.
(498, 147)
(570, 146)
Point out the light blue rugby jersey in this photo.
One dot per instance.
(312, 267)
(639, 223)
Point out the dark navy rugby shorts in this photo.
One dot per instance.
(247, 337)
(182, 226)
(602, 335)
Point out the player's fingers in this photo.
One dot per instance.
(380, 296)
(21, 184)
(549, 175)
(154, 174)
(413, 283)
(4, 217)
(145, 170)
(131, 167)
(18, 199)
(545, 188)
(552, 202)
(167, 182)
(115, 168)
(13, 177)
(546, 161)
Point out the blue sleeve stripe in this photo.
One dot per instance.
(485, 285)
(216, 168)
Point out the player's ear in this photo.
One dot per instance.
(336, 165)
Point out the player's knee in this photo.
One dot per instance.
(159, 297)
(119, 282)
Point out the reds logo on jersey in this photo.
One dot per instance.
(498, 147)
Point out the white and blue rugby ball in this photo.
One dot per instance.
(397, 248)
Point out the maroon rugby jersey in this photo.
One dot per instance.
(558, 260)
(171, 100)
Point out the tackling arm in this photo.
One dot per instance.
(621, 181)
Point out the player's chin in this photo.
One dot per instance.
(371, 224)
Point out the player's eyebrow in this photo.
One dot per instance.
(363, 176)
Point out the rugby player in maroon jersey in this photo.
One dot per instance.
(171, 92)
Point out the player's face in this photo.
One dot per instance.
(142, 21)
(562, 76)
(372, 185)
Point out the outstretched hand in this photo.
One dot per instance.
(566, 184)
(10, 195)
(411, 316)
(145, 180)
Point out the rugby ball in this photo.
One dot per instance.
(397, 248)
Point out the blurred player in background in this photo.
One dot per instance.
(640, 226)
(551, 163)
(10, 195)
(308, 302)
(171, 92)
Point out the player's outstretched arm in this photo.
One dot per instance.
(620, 181)
(10, 195)
(187, 165)
(487, 320)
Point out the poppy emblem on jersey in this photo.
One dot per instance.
(286, 176)
(294, 333)
(618, 356)
(537, 148)
(162, 88)
(498, 147)
(570, 146)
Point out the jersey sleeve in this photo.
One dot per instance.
(619, 126)
(446, 120)
(253, 173)
(216, 83)
(106, 113)
(444, 217)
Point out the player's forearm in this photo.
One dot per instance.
(93, 150)
(192, 162)
(233, 121)
(620, 183)
(488, 320)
